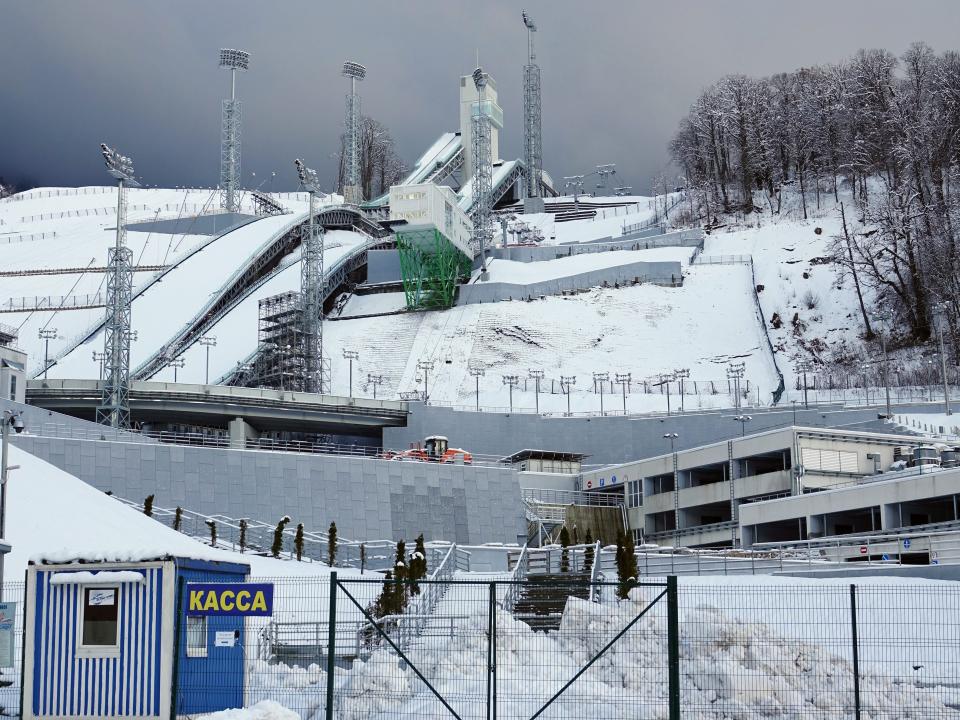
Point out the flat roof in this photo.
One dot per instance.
(544, 455)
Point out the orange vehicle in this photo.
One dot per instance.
(436, 448)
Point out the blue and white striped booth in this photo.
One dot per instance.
(114, 639)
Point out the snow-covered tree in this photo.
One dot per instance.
(277, 547)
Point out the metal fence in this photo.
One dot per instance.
(10, 677)
(560, 646)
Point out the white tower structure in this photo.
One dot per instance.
(532, 143)
(114, 408)
(482, 156)
(352, 189)
(232, 114)
(468, 104)
(312, 288)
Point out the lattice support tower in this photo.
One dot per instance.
(352, 189)
(532, 138)
(312, 290)
(482, 182)
(230, 131)
(114, 408)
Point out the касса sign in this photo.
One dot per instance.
(229, 599)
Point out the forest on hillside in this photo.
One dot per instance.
(883, 129)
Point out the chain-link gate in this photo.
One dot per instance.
(486, 649)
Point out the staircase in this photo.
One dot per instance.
(543, 598)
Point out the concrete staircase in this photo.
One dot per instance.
(543, 598)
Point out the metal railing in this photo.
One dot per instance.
(723, 260)
(517, 576)
(547, 496)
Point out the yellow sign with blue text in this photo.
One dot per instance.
(229, 599)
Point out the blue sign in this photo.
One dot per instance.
(884, 557)
(613, 479)
(906, 543)
(230, 599)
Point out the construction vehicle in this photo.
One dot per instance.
(436, 448)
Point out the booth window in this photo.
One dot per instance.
(196, 635)
(99, 621)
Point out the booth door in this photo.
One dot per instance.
(210, 660)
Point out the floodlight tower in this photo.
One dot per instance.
(312, 287)
(352, 193)
(231, 116)
(114, 408)
(482, 170)
(532, 138)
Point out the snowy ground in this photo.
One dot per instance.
(931, 424)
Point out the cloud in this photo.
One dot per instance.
(617, 75)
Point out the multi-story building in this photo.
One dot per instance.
(13, 364)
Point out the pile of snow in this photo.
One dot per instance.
(264, 710)
(730, 668)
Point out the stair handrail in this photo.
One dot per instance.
(595, 574)
(430, 595)
(517, 576)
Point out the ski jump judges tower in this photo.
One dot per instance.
(232, 112)
(433, 243)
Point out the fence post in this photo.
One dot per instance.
(493, 651)
(673, 646)
(331, 643)
(856, 651)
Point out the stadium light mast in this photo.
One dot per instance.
(114, 408)
(231, 116)
(532, 138)
(482, 181)
(312, 287)
(352, 191)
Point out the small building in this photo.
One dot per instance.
(546, 461)
(112, 639)
(13, 366)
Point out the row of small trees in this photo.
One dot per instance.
(626, 558)
(276, 547)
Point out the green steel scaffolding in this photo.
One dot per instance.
(430, 266)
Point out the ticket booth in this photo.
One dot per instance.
(119, 639)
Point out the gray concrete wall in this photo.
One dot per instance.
(643, 240)
(368, 499)
(609, 439)
(383, 266)
(658, 272)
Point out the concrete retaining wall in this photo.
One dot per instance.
(635, 241)
(368, 499)
(663, 273)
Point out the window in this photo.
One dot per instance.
(99, 619)
(635, 493)
(196, 635)
(13, 388)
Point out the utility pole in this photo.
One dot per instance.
(941, 320)
(735, 371)
(99, 357)
(46, 335)
(350, 356)
(477, 373)
(176, 363)
(425, 366)
(664, 380)
(883, 319)
(743, 420)
(681, 375)
(511, 381)
(374, 380)
(208, 341)
(672, 437)
(566, 382)
(623, 379)
(536, 375)
(600, 378)
(9, 419)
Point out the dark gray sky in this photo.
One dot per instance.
(617, 75)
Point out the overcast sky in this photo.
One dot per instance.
(617, 76)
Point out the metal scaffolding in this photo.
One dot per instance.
(114, 408)
(430, 267)
(532, 141)
(482, 181)
(352, 190)
(312, 290)
(231, 117)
